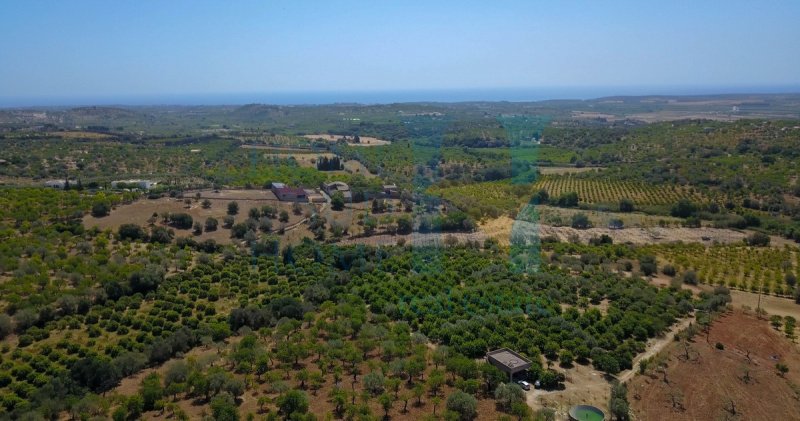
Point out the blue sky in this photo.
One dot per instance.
(83, 49)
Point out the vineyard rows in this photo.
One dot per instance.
(610, 192)
(735, 266)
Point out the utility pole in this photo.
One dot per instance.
(758, 307)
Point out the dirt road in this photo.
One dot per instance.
(654, 346)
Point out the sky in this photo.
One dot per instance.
(61, 51)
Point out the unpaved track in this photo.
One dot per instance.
(654, 346)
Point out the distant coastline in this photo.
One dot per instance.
(392, 96)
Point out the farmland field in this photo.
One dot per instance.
(743, 373)
(496, 198)
(735, 266)
(602, 192)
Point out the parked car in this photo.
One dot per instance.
(524, 385)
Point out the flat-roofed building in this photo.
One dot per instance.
(508, 361)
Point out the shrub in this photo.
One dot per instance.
(462, 404)
(580, 221)
(626, 205)
(101, 209)
(211, 224)
(757, 239)
(648, 265)
(233, 208)
(683, 209)
(181, 220)
(719, 346)
(131, 232)
(668, 270)
(690, 277)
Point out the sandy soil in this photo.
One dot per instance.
(364, 140)
(705, 384)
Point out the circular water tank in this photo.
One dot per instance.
(586, 413)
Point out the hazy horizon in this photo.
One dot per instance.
(94, 52)
(523, 94)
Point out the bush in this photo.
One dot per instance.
(233, 208)
(566, 200)
(211, 224)
(506, 394)
(292, 402)
(580, 221)
(757, 239)
(690, 277)
(239, 230)
(161, 235)
(668, 270)
(683, 209)
(374, 382)
(101, 209)
(462, 404)
(626, 205)
(131, 232)
(648, 265)
(181, 220)
(719, 346)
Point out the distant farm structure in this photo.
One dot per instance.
(289, 194)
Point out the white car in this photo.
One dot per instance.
(524, 385)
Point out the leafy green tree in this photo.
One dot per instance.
(387, 401)
(507, 394)
(374, 382)
(101, 209)
(131, 232)
(233, 208)
(211, 224)
(293, 402)
(337, 201)
(224, 408)
(683, 209)
(151, 391)
(404, 225)
(626, 205)
(95, 373)
(463, 404)
(580, 221)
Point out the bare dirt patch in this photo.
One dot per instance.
(770, 303)
(500, 228)
(363, 140)
(704, 385)
(584, 385)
